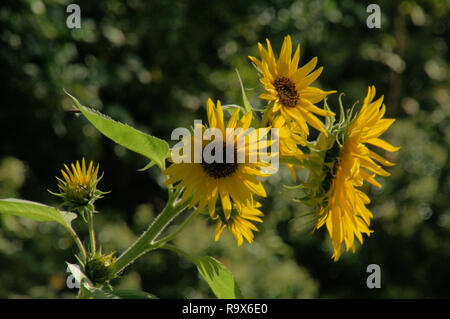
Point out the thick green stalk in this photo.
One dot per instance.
(91, 231)
(143, 243)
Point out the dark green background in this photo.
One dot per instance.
(153, 64)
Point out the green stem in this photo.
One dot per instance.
(91, 231)
(179, 230)
(79, 244)
(146, 241)
(265, 118)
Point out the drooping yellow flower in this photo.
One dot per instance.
(289, 86)
(235, 183)
(289, 139)
(240, 222)
(78, 186)
(344, 210)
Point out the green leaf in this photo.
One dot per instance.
(98, 293)
(149, 146)
(290, 160)
(218, 277)
(247, 104)
(148, 166)
(36, 211)
(133, 294)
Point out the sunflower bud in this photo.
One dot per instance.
(78, 188)
(99, 267)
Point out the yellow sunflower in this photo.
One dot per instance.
(344, 210)
(240, 222)
(234, 182)
(289, 86)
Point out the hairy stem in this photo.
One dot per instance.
(91, 231)
(146, 240)
(176, 232)
(79, 244)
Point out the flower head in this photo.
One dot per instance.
(343, 209)
(234, 182)
(288, 86)
(78, 186)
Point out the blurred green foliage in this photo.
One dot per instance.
(153, 64)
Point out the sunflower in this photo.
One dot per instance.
(240, 222)
(234, 182)
(344, 210)
(78, 186)
(289, 86)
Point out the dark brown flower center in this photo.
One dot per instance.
(286, 91)
(223, 169)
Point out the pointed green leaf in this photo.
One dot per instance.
(290, 160)
(36, 211)
(149, 146)
(218, 277)
(148, 166)
(247, 105)
(133, 294)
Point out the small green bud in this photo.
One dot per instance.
(99, 267)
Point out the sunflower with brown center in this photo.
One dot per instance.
(288, 86)
(235, 183)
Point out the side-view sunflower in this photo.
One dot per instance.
(344, 210)
(234, 182)
(288, 86)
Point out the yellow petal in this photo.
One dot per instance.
(211, 114)
(304, 70)
(314, 95)
(226, 203)
(314, 109)
(232, 122)
(383, 144)
(219, 116)
(294, 63)
(306, 81)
